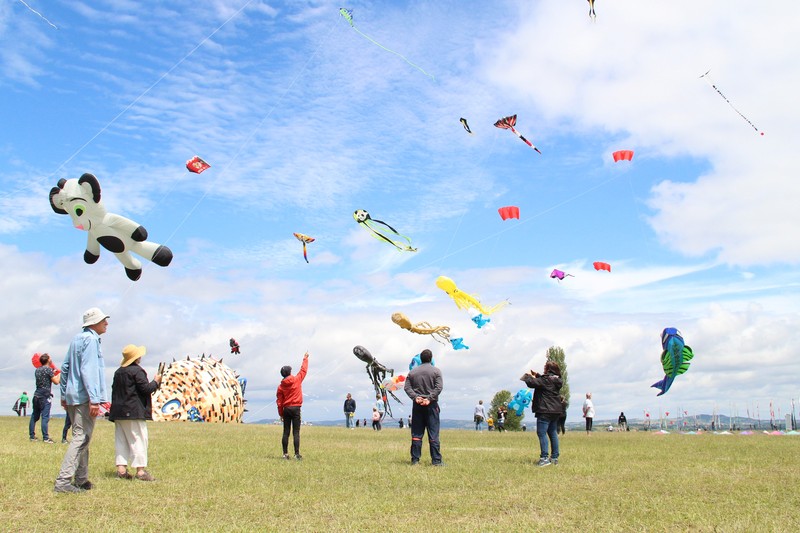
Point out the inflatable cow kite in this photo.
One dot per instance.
(80, 199)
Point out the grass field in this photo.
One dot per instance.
(232, 478)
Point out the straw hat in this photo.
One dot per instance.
(131, 353)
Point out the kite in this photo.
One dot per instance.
(347, 14)
(592, 14)
(37, 363)
(458, 344)
(674, 359)
(481, 320)
(622, 155)
(508, 123)
(234, 346)
(304, 239)
(559, 275)
(510, 211)
(708, 79)
(80, 199)
(466, 126)
(416, 361)
(422, 328)
(601, 266)
(522, 399)
(377, 374)
(462, 299)
(197, 165)
(363, 218)
(393, 383)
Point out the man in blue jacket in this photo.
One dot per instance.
(83, 389)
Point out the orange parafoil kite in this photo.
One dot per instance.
(510, 211)
(623, 155)
(601, 266)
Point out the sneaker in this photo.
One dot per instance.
(67, 488)
(553, 461)
(298, 457)
(544, 461)
(86, 485)
(49, 441)
(414, 463)
(286, 456)
(33, 439)
(64, 441)
(144, 475)
(126, 475)
(437, 464)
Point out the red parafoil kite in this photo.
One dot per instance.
(510, 211)
(623, 155)
(197, 165)
(601, 266)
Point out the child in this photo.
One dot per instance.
(376, 419)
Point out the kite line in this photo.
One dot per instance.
(40, 15)
(711, 83)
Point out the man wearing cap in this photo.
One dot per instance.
(83, 389)
(290, 400)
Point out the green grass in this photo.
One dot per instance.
(232, 478)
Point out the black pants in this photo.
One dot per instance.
(422, 418)
(562, 420)
(588, 423)
(291, 419)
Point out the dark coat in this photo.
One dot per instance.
(131, 394)
(546, 400)
(350, 406)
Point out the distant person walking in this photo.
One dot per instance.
(562, 420)
(83, 389)
(588, 412)
(290, 401)
(622, 422)
(349, 411)
(424, 385)
(45, 375)
(480, 416)
(376, 419)
(22, 406)
(131, 408)
(380, 405)
(547, 408)
(502, 412)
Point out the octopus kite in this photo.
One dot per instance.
(377, 374)
(363, 219)
(422, 328)
(464, 300)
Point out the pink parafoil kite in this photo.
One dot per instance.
(197, 165)
(623, 155)
(559, 274)
(601, 266)
(510, 211)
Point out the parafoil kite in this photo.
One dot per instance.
(675, 358)
(234, 346)
(305, 239)
(197, 165)
(422, 328)
(80, 199)
(522, 399)
(464, 300)
(592, 14)
(598, 265)
(711, 83)
(508, 123)
(458, 344)
(622, 155)
(466, 126)
(559, 275)
(510, 211)
(363, 218)
(377, 374)
(347, 14)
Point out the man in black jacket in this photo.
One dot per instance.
(423, 385)
(349, 411)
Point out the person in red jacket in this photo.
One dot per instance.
(290, 400)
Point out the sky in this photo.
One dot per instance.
(304, 120)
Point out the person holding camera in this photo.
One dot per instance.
(547, 407)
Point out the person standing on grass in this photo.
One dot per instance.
(424, 385)
(376, 419)
(501, 418)
(46, 375)
(480, 416)
(290, 401)
(83, 389)
(349, 411)
(380, 405)
(562, 420)
(131, 407)
(22, 406)
(588, 412)
(546, 406)
(67, 425)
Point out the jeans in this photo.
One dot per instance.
(67, 425)
(544, 429)
(41, 409)
(348, 420)
(291, 420)
(425, 417)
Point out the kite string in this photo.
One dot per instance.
(711, 83)
(40, 15)
(392, 51)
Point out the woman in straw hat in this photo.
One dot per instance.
(130, 408)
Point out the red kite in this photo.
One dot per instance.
(601, 266)
(197, 165)
(510, 211)
(508, 123)
(623, 155)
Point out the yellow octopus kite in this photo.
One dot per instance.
(422, 328)
(462, 299)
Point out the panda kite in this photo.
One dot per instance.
(80, 199)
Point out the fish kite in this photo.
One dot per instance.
(422, 328)
(674, 359)
(80, 199)
(559, 275)
(708, 79)
(510, 211)
(197, 165)
(462, 299)
(363, 218)
(234, 346)
(304, 239)
(458, 344)
(466, 126)
(622, 155)
(522, 399)
(508, 123)
(347, 14)
(598, 265)
(592, 14)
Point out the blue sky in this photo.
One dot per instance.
(304, 121)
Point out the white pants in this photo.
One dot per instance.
(130, 442)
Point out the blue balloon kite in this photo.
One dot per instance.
(674, 359)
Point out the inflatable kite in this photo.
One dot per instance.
(522, 399)
(377, 374)
(559, 275)
(372, 225)
(422, 328)
(622, 155)
(464, 300)
(197, 165)
(393, 383)
(80, 199)
(508, 123)
(711, 83)
(601, 266)
(305, 239)
(674, 359)
(510, 211)
(458, 344)
(466, 126)
(199, 390)
(416, 361)
(480, 320)
(37, 363)
(234, 346)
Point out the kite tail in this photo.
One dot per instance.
(404, 58)
(663, 385)
(491, 310)
(305, 253)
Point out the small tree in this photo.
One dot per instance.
(556, 354)
(513, 422)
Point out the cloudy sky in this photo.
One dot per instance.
(304, 120)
